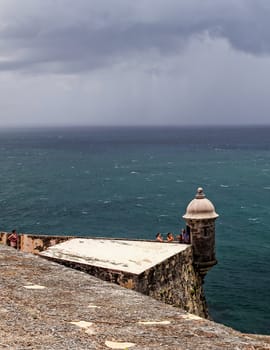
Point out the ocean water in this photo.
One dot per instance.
(134, 182)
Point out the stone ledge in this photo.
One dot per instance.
(48, 306)
(121, 255)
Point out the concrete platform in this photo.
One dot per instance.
(122, 255)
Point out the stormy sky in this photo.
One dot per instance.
(126, 62)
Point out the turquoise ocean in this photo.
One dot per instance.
(134, 182)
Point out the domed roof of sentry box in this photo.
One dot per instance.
(200, 208)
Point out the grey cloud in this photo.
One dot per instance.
(89, 48)
(89, 34)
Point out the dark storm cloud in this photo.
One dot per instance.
(84, 35)
(134, 62)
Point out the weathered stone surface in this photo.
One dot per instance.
(165, 270)
(126, 255)
(78, 311)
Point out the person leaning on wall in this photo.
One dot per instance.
(170, 237)
(159, 237)
(13, 239)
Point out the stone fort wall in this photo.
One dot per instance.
(173, 281)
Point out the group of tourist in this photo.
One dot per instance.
(183, 237)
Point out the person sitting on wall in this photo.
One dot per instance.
(159, 237)
(170, 237)
(13, 239)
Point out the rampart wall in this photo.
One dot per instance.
(173, 281)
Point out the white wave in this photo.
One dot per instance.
(225, 186)
(140, 198)
(134, 172)
(179, 180)
(267, 188)
(253, 219)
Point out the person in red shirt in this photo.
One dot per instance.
(13, 239)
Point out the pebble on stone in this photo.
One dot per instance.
(191, 317)
(154, 322)
(87, 326)
(82, 324)
(118, 345)
(34, 286)
(93, 306)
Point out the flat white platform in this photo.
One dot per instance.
(123, 255)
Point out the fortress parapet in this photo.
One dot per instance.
(169, 272)
(200, 219)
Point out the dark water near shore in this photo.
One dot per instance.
(133, 182)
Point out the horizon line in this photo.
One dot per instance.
(140, 126)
